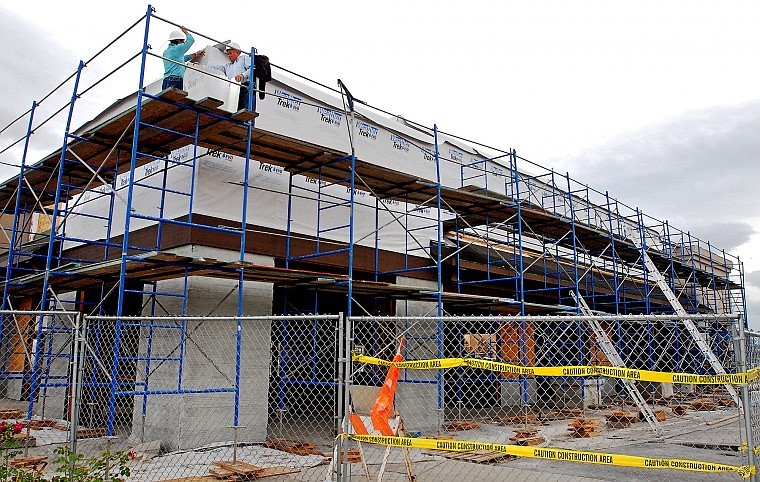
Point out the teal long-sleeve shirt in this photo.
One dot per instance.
(177, 53)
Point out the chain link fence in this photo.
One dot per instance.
(237, 398)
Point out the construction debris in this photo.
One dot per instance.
(6, 414)
(560, 414)
(527, 436)
(352, 456)
(583, 427)
(620, 419)
(242, 471)
(39, 424)
(30, 465)
(703, 405)
(24, 440)
(679, 409)
(293, 447)
(523, 418)
(194, 478)
(459, 426)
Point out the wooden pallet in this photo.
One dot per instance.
(293, 447)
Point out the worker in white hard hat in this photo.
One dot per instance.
(175, 57)
(237, 69)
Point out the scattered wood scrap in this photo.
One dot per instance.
(39, 424)
(620, 419)
(293, 447)
(352, 456)
(194, 478)
(679, 409)
(91, 432)
(459, 426)
(659, 414)
(703, 405)
(561, 414)
(523, 418)
(243, 471)
(24, 440)
(31, 465)
(583, 427)
(598, 406)
(6, 414)
(274, 471)
(474, 456)
(527, 436)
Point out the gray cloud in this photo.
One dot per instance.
(37, 67)
(753, 279)
(699, 169)
(721, 234)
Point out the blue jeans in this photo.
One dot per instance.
(172, 81)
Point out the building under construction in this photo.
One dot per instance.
(228, 260)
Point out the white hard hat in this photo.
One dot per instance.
(177, 35)
(233, 46)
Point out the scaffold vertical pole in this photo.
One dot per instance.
(439, 278)
(16, 220)
(127, 219)
(51, 243)
(243, 231)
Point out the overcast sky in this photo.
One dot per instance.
(656, 102)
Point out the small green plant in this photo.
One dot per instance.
(111, 466)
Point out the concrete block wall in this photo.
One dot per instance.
(196, 419)
(418, 402)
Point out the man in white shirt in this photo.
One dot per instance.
(237, 69)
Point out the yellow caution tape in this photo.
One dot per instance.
(569, 371)
(548, 453)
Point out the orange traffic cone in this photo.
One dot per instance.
(381, 411)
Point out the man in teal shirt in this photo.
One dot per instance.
(175, 56)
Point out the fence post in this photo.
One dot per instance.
(80, 326)
(746, 407)
(342, 466)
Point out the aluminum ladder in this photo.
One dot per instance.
(609, 350)
(697, 335)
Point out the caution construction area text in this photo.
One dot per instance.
(562, 455)
(569, 371)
